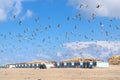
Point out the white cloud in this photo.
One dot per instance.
(59, 54)
(11, 7)
(98, 49)
(43, 56)
(2, 15)
(27, 14)
(108, 8)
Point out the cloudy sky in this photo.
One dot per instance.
(58, 29)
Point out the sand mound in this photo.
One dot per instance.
(115, 60)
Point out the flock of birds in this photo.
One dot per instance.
(36, 38)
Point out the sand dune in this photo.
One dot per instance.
(111, 73)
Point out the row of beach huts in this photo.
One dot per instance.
(70, 63)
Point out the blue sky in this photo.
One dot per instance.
(58, 29)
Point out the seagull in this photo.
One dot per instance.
(92, 31)
(49, 18)
(68, 18)
(75, 27)
(106, 33)
(43, 40)
(20, 22)
(81, 5)
(117, 28)
(37, 19)
(101, 24)
(58, 25)
(14, 16)
(93, 15)
(98, 6)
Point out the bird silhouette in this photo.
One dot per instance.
(20, 22)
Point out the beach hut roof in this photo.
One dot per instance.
(81, 59)
(72, 60)
(37, 62)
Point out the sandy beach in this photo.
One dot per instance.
(111, 73)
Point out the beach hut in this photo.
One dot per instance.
(87, 64)
(57, 65)
(30, 65)
(102, 64)
(61, 64)
(10, 66)
(44, 66)
(39, 65)
(16, 65)
(91, 65)
(94, 63)
(50, 65)
(68, 64)
(23, 65)
(84, 64)
(65, 64)
(77, 64)
(26, 65)
(72, 65)
(81, 64)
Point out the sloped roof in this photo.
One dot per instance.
(37, 62)
(81, 59)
